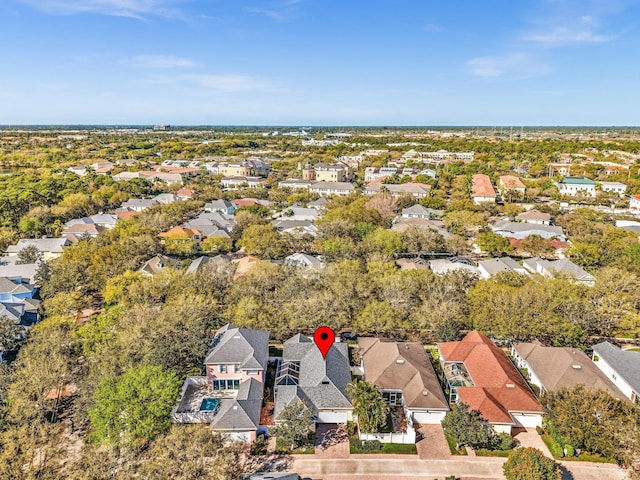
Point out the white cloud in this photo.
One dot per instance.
(119, 8)
(207, 84)
(161, 61)
(513, 66)
(563, 35)
(280, 10)
(432, 28)
(226, 82)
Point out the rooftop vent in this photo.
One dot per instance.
(577, 367)
(400, 361)
(237, 336)
(510, 385)
(425, 393)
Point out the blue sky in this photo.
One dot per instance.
(320, 62)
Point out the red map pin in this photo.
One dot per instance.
(324, 338)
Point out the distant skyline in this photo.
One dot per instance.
(320, 62)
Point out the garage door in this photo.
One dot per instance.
(528, 420)
(332, 416)
(244, 437)
(428, 418)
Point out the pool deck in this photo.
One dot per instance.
(194, 394)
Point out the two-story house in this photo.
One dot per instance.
(229, 396)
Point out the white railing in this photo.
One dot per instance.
(408, 437)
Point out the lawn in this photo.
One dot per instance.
(492, 453)
(584, 456)
(634, 349)
(398, 448)
(452, 446)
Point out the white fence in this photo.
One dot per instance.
(409, 437)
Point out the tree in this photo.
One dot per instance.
(594, 421)
(262, 241)
(368, 405)
(295, 424)
(467, 427)
(11, 334)
(134, 407)
(530, 464)
(464, 222)
(537, 246)
(493, 243)
(29, 254)
(216, 245)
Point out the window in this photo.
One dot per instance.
(225, 384)
(253, 372)
(223, 369)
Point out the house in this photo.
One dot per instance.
(235, 183)
(417, 190)
(156, 264)
(295, 227)
(404, 374)
(327, 189)
(511, 186)
(489, 268)
(482, 189)
(613, 187)
(48, 248)
(371, 174)
(337, 172)
(519, 230)
(219, 263)
(300, 213)
(16, 272)
(185, 194)
(559, 268)
(221, 206)
(634, 202)
(573, 186)
(180, 232)
(105, 220)
(480, 374)
(621, 367)
(560, 168)
(534, 217)
(229, 397)
(214, 219)
(82, 229)
(319, 382)
(303, 261)
(418, 211)
(166, 198)
(138, 204)
(553, 368)
(319, 204)
(17, 302)
(401, 225)
(443, 266)
(295, 184)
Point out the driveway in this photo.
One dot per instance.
(431, 443)
(529, 438)
(332, 441)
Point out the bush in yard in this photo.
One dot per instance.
(569, 451)
(505, 442)
(530, 464)
(365, 445)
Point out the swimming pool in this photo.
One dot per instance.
(209, 404)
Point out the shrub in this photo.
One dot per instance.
(556, 450)
(505, 442)
(365, 445)
(351, 428)
(569, 451)
(259, 446)
(540, 430)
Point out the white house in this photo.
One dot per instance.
(622, 367)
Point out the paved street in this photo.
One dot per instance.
(365, 467)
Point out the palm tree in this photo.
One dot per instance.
(368, 405)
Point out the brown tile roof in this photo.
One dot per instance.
(124, 214)
(499, 387)
(558, 367)
(511, 181)
(482, 186)
(402, 366)
(190, 232)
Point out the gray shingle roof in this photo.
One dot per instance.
(322, 382)
(241, 346)
(52, 245)
(242, 412)
(626, 364)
